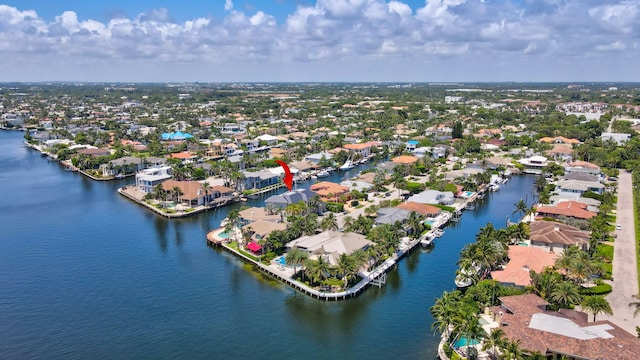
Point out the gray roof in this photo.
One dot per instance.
(291, 197)
(433, 197)
(583, 176)
(579, 185)
(392, 215)
(126, 160)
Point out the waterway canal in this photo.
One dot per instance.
(85, 273)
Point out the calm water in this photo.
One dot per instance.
(84, 273)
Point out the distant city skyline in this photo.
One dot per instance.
(320, 41)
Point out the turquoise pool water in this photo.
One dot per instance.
(463, 341)
(468, 193)
(429, 222)
(281, 260)
(223, 235)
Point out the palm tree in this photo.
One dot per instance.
(536, 355)
(296, 257)
(237, 177)
(176, 192)
(521, 207)
(317, 270)
(512, 350)
(596, 305)
(444, 312)
(565, 294)
(495, 341)
(414, 222)
(329, 222)
(205, 189)
(348, 223)
(232, 222)
(635, 304)
(360, 258)
(158, 192)
(346, 268)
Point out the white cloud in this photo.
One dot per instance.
(342, 31)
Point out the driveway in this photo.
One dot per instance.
(625, 274)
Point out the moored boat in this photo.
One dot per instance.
(322, 174)
(348, 165)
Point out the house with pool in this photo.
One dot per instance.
(330, 244)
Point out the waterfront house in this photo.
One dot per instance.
(434, 197)
(194, 194)
(258, 230)
(556, 237)
(250, 215)
(95, 152)
(256, 180)
(330, 244)
(147, 179)
(525, 318)
(428, 211)
(534, 164)
(571, 209)
(124, 165)
(392, 215)
(362, 149)
(523, 260)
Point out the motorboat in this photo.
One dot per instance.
(348, 165)
(322, 173)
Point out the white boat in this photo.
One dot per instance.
(438, 232)
(463, 281)
(348, 165)
(427, 239)
(120, 176)
(495, 187)
(322, 173)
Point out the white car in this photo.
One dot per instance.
(618, 227)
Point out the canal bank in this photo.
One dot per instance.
(84, 274)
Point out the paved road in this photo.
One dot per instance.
(625, 274)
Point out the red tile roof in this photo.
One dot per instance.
(551, 232)
(522, 260)
(423, 209)
(574, 209)
(607, 342)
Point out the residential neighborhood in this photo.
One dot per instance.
(372, 180)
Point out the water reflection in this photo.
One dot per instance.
(161, 225)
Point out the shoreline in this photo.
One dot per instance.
(375, 277)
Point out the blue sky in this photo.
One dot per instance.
(320, 40)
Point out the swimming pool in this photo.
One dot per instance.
(468, 194)
(281, 260)
(429, 222)
(463, 341)
(223, 235)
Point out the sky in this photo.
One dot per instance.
(320, 40)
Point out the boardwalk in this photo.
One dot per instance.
(625, 274)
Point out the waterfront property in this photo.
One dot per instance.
(147, 179)
(525, 318)
(331, 244)
(522, 260)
